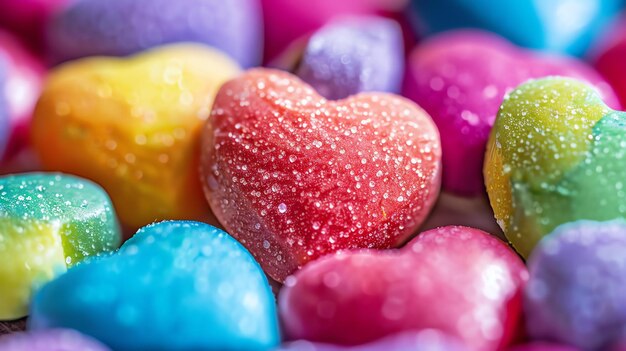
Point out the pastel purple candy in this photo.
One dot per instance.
(123, 27)
(542, 346)
(350, 55)
(577, 287)
(50, 340)
(424, 340)
(460, 78)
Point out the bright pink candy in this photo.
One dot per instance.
(542, 346)
(25, 79)
(460, 79)
(611, 57)
(462, 281)
(288, 20)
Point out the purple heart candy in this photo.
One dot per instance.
(354, 54)
(423, 340)
(123, 27)
(50, 340)
(577, 287)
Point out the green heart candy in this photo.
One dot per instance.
(556, 154)
(48, 222)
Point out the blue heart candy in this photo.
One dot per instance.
(175, 285)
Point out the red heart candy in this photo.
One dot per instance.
(293, 176)
(462, 281)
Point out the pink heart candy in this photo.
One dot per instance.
(460, 79)
(462, 281)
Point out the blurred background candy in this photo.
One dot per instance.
(542, 346)
(28, 18)
(175, 285)
(50, 340)
(556, 155)
(286, 21)
(295, 177)
(94, 27)
(610, 55)
(48, 222)
(133, 126)
(565, 26)
(577, 285)
(423, 340)
(23, 79)
(462, 281)
(4, 106)
(350, 55)
(461, 77)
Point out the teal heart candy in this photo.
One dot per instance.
(175, 285)
(48, 222)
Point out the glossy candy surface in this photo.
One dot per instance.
(173, 286)
(352, 55)
(48, 222)
(460, 78)
(294, 177)
(567, 26)
(556, 155)
(133, 126)
(50, 340)
(577, 285)
(462, 281)
(93, 27)
(423, 340)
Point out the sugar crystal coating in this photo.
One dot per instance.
(48, 222)
(577, 285)
(461, 77)
(352, 55)
(293, 176)
(556, 155)
(133, 126)
(175, 285)
(460, 280)
(93, 27)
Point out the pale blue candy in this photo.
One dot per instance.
(568, 26)
(175, 285)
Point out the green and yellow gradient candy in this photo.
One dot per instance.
(556, 154)
(48, 222)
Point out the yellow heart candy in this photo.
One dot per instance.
(132, 125)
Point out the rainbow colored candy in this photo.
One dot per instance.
(556, 154)
(48, 222)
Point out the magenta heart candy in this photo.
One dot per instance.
(460, 280)
(423, 340)
(460, 79)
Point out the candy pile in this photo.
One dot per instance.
(313, 175)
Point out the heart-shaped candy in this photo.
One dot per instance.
(352, 55)
(50, 340)
(459, 280)
(555, 155)
(423, 340)
(47, 223)
(133, 126)
(460, 78)
(577, 285)
(567, 26)
(94, 27)
(173, 286)
(293, 176)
